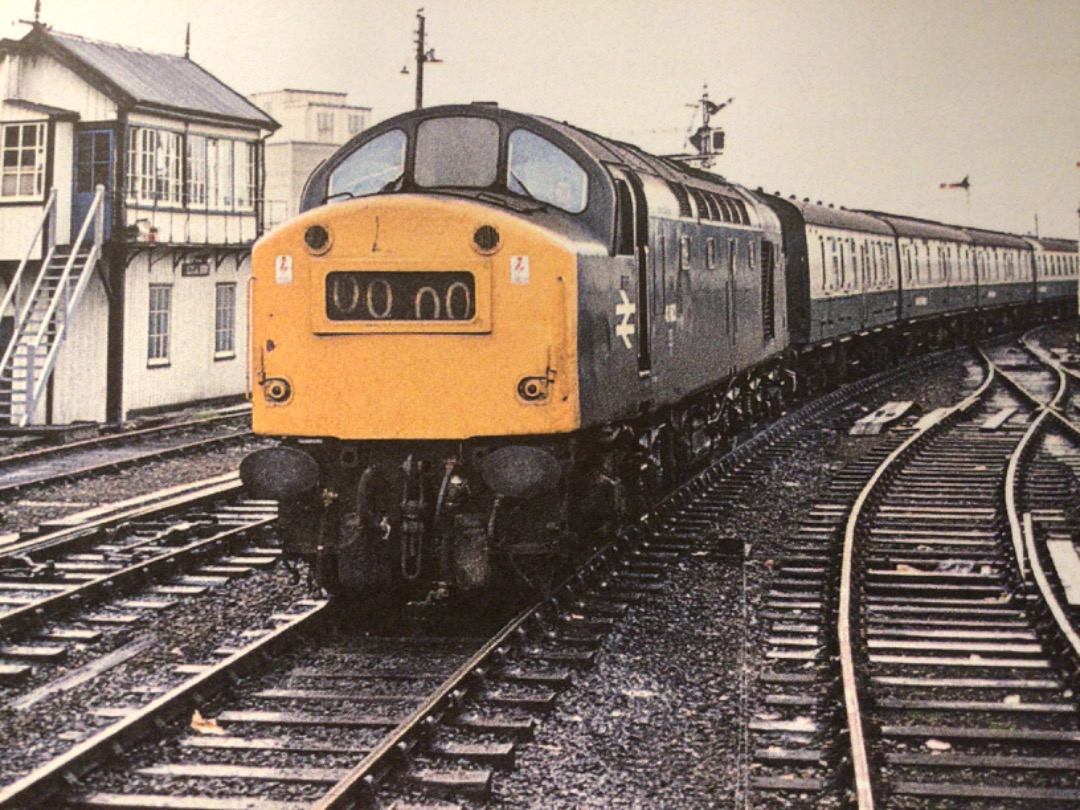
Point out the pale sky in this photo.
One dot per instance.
(857, 102)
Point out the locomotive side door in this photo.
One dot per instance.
(632, 238)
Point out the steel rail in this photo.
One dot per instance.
(1022, 530)
(124, 580)
(40, 785)
(120, 463)
(860, 757)
(357, 788)
(359, 784)
(1012, 475)
(117, 438)
(168, 499)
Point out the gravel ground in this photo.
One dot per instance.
(30, 507)
(659, 722)
(185, 633)
(1065, 335)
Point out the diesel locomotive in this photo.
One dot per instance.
(489, 337)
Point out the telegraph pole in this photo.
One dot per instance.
(423, 54)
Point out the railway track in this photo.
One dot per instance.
(46, 465)
(62, 584)
(956, 690)
(295, 735)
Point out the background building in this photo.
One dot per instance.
(159, 166)
(313, 125)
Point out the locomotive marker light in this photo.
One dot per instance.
(277, 390)
(317, 239)
(533, 389)
(486, 240)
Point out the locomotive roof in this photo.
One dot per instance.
(608, 150)
(915, 228)
(598, 147)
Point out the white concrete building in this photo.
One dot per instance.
(313, 125)
(160, 165)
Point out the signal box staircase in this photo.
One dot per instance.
(49, 296)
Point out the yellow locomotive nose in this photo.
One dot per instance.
(411, 317)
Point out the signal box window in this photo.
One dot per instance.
(457, 152)
(541, 170)
(160, 308)
(376, 165)
(22, 161)
(225, 321)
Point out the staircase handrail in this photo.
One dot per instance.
(36, 382)
(91, 216)
(9, 296)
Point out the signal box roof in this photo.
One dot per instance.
(140, 80)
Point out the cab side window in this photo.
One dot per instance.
(540, 170)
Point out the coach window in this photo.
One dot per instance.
(374, 166)
(710, 253)
(539, 169)
(824, 265)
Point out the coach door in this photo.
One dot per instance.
(93, 167)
